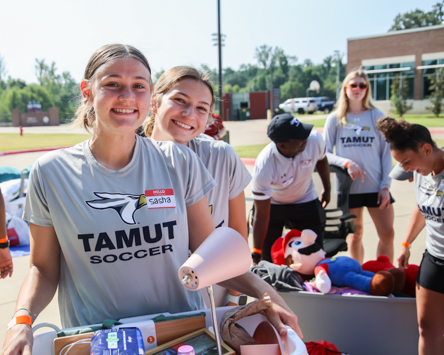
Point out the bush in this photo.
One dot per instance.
(437, 88)
(400, 94)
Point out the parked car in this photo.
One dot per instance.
(300, 105)
(325, 104)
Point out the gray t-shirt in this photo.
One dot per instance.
(226, 168)
(429, 191)
(288, 180)
(123, 233)
(360, 141)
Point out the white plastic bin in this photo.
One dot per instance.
(357, 324)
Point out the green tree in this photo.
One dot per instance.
(419, 18)
(399, 95)
(18, 98)
(64, 90)
(437, 96)
(2, 73)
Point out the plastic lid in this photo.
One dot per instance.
(186, 350)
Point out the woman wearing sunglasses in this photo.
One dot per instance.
(361, 149)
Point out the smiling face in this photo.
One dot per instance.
(120, 93)
(182, 112)
(422, 161)
(356, 93)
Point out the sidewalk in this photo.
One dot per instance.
(241, 133)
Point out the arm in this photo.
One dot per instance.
(38, 289)
(324, 173)
(237, 217)
(237, 221)
(279, 314)
(330, 130)
(222, 132)
(386, 168)
(260, 221)
(201, 225)
(329, 134)
(6, 266)
(416, 225)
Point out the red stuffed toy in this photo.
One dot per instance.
(406, 282)
(299, 251)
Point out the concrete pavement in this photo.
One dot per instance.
(241, 133)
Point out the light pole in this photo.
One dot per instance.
(337, 74)
(219, 42)
(272, 89)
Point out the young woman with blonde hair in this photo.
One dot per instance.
(361, 149)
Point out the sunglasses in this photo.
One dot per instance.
(362, 86)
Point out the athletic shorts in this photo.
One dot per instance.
(365, 200)
(431, 273)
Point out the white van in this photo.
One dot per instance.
(300, 105)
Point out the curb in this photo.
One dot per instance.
(249, 161)
(34, 150)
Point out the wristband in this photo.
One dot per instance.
(25, 309)
(256, 256)
(4, 240)
(346, 165)
(405, 244)
(19, 320)
(257, 251)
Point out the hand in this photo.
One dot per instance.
(323, 282)
(325, 198)
(403, 258)
(6, 266)
(383, 199)
(279, 314)
(18, 340)
(354, 170)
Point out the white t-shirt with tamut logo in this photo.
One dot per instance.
(429, 192)
(123, 233)
(288, 180)
(359, 141)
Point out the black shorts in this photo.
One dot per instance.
(306, 215)
(365, 200)
(431, 273)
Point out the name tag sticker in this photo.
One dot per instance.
(160, 198)
(306, 163)
(287, 182)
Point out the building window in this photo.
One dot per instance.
(426, 73)
(381, 82)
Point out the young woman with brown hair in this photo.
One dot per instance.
(412, 146)
(111, 251)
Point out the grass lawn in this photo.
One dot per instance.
(249, 151)
(252, 151)
(12, 141)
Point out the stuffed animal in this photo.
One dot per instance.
(299, 251)
(405, 279)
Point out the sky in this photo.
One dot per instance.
(179, 32)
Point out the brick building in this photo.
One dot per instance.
(412, 54)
